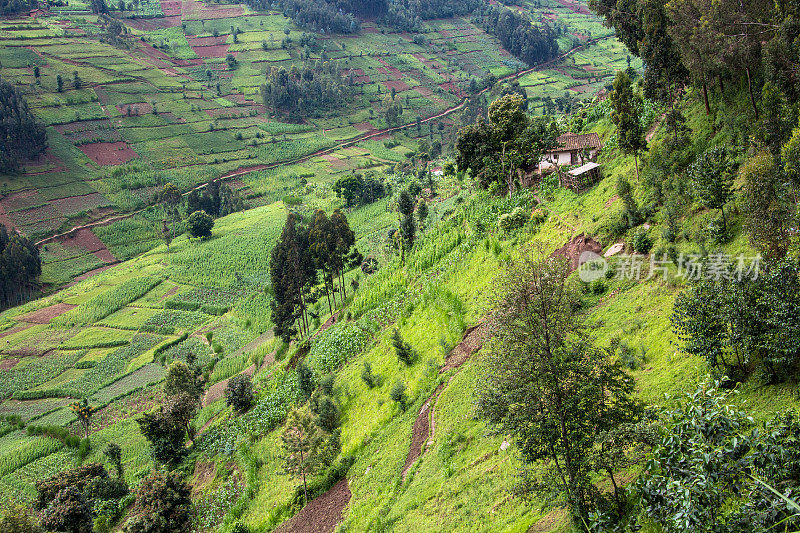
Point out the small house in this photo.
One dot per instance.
(571, 149)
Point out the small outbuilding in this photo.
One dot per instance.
(582, 177)
(571, 149)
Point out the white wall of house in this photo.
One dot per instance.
(563, 158)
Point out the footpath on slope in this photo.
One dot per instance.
(424, 426)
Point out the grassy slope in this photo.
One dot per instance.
(462, 483)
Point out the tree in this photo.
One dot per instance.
(367, 376)
(80, 477)
(114, 454)
(182, 378)
(163, 505)
(404, 351)
(239, 393)
(168, 427)
(305, 379)
(769, 212)
(712, 179)
(169, 198)
(21, 266)
(422, 211)
(350, 189)
(84, 412)
(544, 383)
(68, 512)
(326, 411)
(199, 224)
(626, 106)
(303, 447)
(59, 83)
(408, 226)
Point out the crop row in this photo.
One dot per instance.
(108, 302)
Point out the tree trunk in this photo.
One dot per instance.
(705, 97)
(636, 161)
(616, 492)
(750, 90)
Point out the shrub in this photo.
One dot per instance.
(78, 477)
(398, 394)
(163, 503)
(513, 220)
(239, 393)
(367, 376)
(642, 242)
(18, 520)
(404, 351)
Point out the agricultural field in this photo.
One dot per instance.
(161, 104)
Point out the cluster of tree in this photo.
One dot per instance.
(322, 247)
(319, 16)
(216, 198)
(357, 189)
(12, 7)
(21, 135)
(727, 43)
(407, 15)
(748, 472)
(529, 43)
(20, 267)
(311, 438)
(168, 427)
(508, 142)
(307, 91)
(76, 499)
(740, 324)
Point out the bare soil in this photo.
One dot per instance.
(421, 430)
(108, 153)
(473, 340)
(321, 514)
(574, 248)
(45, 315)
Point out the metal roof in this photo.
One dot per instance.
(583, 169)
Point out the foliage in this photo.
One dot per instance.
(336, 346)
(167, 428)
(21, 135)
(216, 198)
(199, 225)
(308, 91)
(403, 350)
(743, 319)
(531, 44)
(712, 179)
(239, 393)
(108, 302)
(84, 412)
(398, 395)
(163, 505)
(357, 189)
(545, 384)
(68, 512)
(20, 264)
(79, 477)
(769, 215)
(626, 106)
(18, 520)
(182, 378)
(306, 448)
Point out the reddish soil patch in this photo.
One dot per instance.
(8, 363)
(139, 108)
(328, 323)
(44, 316)
(15, 329)
(364, 126)
(204, 473)
(206, 52)
(611, 200)
(423, 91)
(44, 163)
(138, 402)
(321, 514)
(575, 7)
(109, 153)
(398, 86)
(217, 391)
(105, 256)
(574, 248)
(5, 220)
(85, 239)
(452, 88)
(171, 7)
(154, 24)
(170, 292)
(473, 340)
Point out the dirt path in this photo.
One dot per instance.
(322, 513)
(424, 426)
